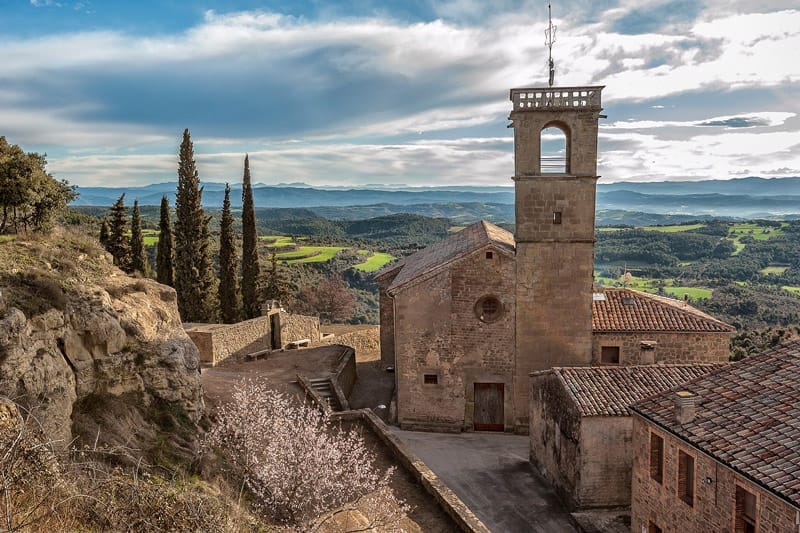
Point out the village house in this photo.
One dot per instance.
(465, 321)
(721, 453)
(580, 427)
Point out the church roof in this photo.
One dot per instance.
(609, 390)
(747, 416)
(451, 248)
(628, 310)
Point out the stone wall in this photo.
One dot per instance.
(217, 342)
(364, 339)
(386, 319)
(555, 433)
(299, 327)
(439, 332)
(715, 491)
(605, 478)
(670, 347)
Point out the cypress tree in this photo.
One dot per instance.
(275, 284)
(194, 279)
(165, 271)
(138, 253)
(250, 268)
(228, 286)
(117, 243)
(104, 230)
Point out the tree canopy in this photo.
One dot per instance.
(30, 197)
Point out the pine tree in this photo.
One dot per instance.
(228, 286)
(104, 230)
(250, 270)
(139, 261)
(194, 279)
(165, 271)
(118, 244)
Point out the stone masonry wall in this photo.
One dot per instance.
(438, 332)
(605, 470)
(299, 327)
(714, 501)
(386, 320)
(677, 347)
(216, 342)
(555, 430)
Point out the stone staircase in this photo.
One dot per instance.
(325, 389)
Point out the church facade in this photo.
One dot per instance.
(465, 321)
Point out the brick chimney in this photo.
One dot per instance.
(685, 406)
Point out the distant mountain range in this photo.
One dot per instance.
(750, 197)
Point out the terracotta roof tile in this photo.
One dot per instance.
(609, 390)
(629, 310)
(748, 418)
(451, 248)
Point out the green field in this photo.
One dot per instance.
(277, 241)
(650, 285)
(310, 254)
(674, 229)
(150, 236)
(756, 231)
(695, 293)
(795, 290)
(774, 269)
(374, 262)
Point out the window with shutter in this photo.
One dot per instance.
(656, 458)
(686, 477)
(745, 519)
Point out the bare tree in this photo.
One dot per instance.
(330, 298)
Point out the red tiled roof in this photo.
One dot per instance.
(748, 417)
(451, 248)
(629, 310)
(609, 390)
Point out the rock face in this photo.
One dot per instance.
(116, 337)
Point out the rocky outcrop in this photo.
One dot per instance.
(114, 337)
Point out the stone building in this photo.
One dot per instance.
(447, 314)
(465, 321)
(633, 328)
(580, 427)
(721, 452)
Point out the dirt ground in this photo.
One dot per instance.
(373, 389)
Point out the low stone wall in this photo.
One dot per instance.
(299, 327)
(360, 340)
(218, 341)
(446, 498)
(346, 376)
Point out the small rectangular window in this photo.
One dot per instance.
(686, 478)
(430, 379)
(745, 511)
(489, 255)
(609, 355)
(656, 458)
(556, 217)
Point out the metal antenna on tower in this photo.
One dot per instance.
(550, 38)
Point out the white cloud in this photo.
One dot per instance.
(443, 77)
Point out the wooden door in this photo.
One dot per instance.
(488, 407)
(275, 331)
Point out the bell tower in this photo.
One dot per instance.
(555, 209)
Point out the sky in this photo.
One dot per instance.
(411, 92)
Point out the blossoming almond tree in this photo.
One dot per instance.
(297, 464)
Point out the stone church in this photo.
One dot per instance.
(465, 321)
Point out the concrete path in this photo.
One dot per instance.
(492, 476)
